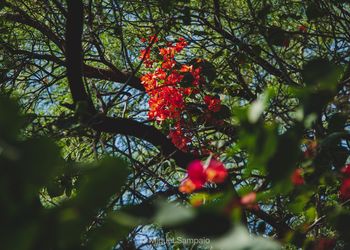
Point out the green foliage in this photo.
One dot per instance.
(28, 166)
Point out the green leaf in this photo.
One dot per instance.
(240, 239)
(142, 213)
(315, 102)
(170, 214)
(299, 202)
(340, 219)
(39, 161)
(101, 182)
(10, 121)
(321, 72)
(281, 165)
(108, 234)
(311, 214)
(55, 189)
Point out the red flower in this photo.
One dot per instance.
(197, 173)
(180, 45)
(197, 77)
(248, 199)
(345, 189)
(181, 39)
(153, 38)
(167, 53)
(297, 177)
(346, 170)
(160, 74)
(146, 57)
(178, 139)
(188, 91)
(148, 81)
(196, 177)
(186, 68)
(216, 171)
(213, 103)
(167, 93)
(164, 89)
(174, 78)
(168, 64)
(187, 186)
(145, 54)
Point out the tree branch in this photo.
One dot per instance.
(74, 54)
(113, 75)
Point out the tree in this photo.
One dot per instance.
(229, 114)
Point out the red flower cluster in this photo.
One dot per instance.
(345, 186)
(213, 103)
(163, 84)
(178, 138)
(198, 175)
(346, 170)
(297, 177)
(170, 85)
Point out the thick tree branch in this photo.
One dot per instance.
(74, 54)
(148, 133)
(113, 75)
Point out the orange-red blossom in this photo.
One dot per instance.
(198, 174)
(345, 186)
